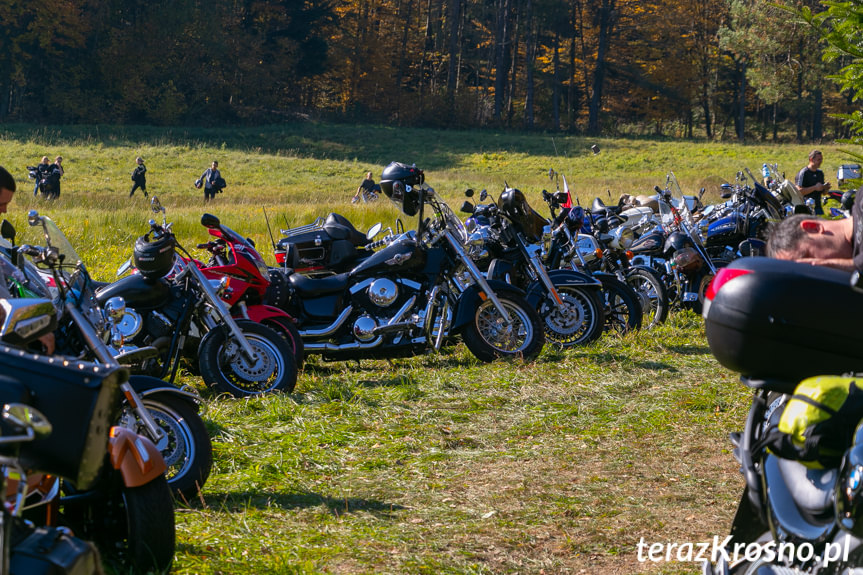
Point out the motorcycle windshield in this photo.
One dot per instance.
(452, 221)
(57, 239)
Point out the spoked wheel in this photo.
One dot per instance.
(288, 330)
(622, 305)
(652, 293)
(186, 446)
(225, 366)
(489, 337)
(578, 321)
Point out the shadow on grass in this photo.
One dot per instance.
(689, 349)
(241, 501)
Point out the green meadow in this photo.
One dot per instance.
(440, 463)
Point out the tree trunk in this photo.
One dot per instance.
(817, 126)
(606, 25)
(402, 60)
(555, 98)
(452, 72)
(530, 50)
(501, 60)
(741, 134)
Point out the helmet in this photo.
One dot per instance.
(688, 260)
(397, 181)
(154, 259)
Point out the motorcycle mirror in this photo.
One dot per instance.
(156, 205)
(33, 218)
(251, 242)
(467, 207)
(374, 230)
(469, 192)
(7, 231)
(210, 221)
(701, 193)
(483, 195)
(27, 417)
(726, 195)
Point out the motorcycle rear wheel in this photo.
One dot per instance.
(224, 367)
(579, 322)
(489, 338)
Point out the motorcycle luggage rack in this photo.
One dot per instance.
(318, 224)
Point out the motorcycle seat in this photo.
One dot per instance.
(339, 227)
(811, 489)
(598, 206)
(315, 287)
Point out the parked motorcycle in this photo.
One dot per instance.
(166, 415)
(414, 293)
(186, 317)
(755, 326)
(505, 242)
(235, 258)
(119, 496)
(602, 251)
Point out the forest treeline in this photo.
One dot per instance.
(716, 69)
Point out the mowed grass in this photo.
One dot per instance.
(439, 463)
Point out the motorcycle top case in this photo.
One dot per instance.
(81, 400)
(786, 321)
(331, 248)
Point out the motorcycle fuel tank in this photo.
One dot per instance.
(403, 254)
(139, 293)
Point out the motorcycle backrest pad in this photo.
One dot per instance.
(818, 421)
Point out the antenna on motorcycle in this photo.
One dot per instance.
(270, 231)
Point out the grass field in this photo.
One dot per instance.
(436, 464)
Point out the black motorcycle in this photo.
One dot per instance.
(505, 241)
(184, 317)
(165, 414)
(415, 293)
(798, 496)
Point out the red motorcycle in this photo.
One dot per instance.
(234, 260)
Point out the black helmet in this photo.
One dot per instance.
(397, 181)
(154, 259)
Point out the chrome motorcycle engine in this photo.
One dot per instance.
(383, 292)
(364, 328)
(130, 324)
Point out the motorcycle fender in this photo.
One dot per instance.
(470, 300)
(258, 313)
(136, 457)
(499, 269)
(145, 385)
(561, 278)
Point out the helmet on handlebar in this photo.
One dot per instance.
(154, 259)
(397, 182)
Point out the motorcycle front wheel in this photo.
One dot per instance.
(652, 292)
(622, 306)
(579, 321)
(288, 330)
(488, 336)
(226, 368)
(186, 446)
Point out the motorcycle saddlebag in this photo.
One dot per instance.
(331, 248)
(784, 320)
(54, 551)
(81, 400)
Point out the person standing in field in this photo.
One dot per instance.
(208, 180)
(52, 179)
(139, 176)
(41, 172)
(810, 181)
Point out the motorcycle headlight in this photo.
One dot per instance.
(476, 244)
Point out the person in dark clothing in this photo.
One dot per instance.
(810, 180)
(52, 179)
(818, 241)
(139, 176)
(209, 178)
(41, 172)
(368, 190)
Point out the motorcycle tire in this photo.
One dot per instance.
(652, 293)
(488, 339)
(288, 330)
(186, 447)
(581, 322)
(133, 527)
(622, 305)
(224, 367)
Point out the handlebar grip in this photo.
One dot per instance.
(203, 246)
